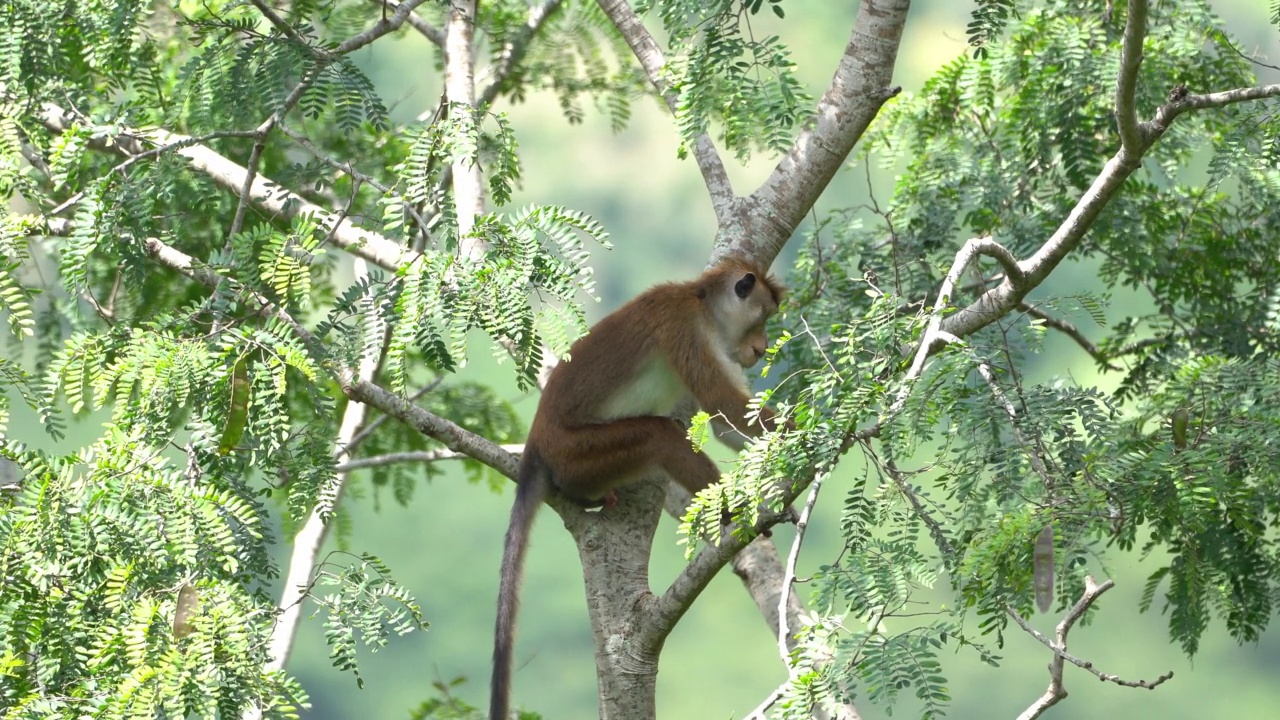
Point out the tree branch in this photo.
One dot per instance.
(1033, 454)
(415, 21)
(861, 85)
(322, 59)
(1056, 690)
(417, 456)
(996, 302)
(265, 194)
(310, 538)
(452, 435)
(382, 27)
(760, 569)
(349, 169)
(646, 50)
(460, 91)
(785, 638)
(1135, 30)
(514, 50)
(1070, 330)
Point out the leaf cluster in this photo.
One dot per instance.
(972, 461)
(721, 72)
(240, 380)
(94, 551)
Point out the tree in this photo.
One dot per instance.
(216, 235)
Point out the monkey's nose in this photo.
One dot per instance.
(758, 351)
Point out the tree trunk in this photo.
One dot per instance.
(614, 546)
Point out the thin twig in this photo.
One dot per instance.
(415, 21)
(416, 456)
(1070, 330)
(646, 50)
(1037, 463)
(930, 522)
(515, 49)
(349, 169)
(1056, 691)
(759, 712)
(1226, 39)
(789, 573)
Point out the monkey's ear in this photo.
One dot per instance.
(744, 286)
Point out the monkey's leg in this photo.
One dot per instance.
(595, 459)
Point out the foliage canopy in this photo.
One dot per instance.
(207, 314)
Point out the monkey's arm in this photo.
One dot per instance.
(719, 387)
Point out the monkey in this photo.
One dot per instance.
(604, 418)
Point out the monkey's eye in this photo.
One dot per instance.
(744, 286)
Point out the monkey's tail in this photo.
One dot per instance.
(531, 488)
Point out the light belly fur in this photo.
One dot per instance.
(655, 390)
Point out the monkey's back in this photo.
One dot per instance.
(621, 354)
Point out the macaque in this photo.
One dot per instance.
(605, 415)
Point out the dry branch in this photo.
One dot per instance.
(1056, 690)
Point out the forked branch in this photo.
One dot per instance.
(1020, 278)
(1056, 690)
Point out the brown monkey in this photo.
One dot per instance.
(603, 419)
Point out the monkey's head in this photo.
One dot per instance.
(742, 299)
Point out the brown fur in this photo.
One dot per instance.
(603, 419)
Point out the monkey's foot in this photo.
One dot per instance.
(609, 500)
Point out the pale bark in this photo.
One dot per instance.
(1058, 645)
(309, 540)
(460, 90)
(614, 547)
(265, 195)
(862, 83)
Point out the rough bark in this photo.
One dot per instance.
(614, 547)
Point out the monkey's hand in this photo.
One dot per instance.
(788, 516)
(726, 518)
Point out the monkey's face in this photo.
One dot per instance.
(749, 304)
(752, 347)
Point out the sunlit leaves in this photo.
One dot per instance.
(126, 642)
(724, 72)
(366, 606)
